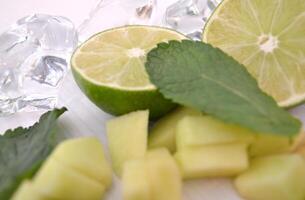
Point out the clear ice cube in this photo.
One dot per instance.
(189, 16)
(54, 33)
(48, 70)
(142, 12)
(33, 61)
(114, 13)
(9, 80)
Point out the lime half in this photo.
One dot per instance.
(109, 69)
(268, 37)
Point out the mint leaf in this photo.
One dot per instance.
(198, 75)
(24, 149)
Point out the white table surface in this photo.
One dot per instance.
(83, 117)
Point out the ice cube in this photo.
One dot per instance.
(33, 61)
(15, 47)
(142, 12)
(8, 105)
(9, 80)
(118, 13)
(26, 103)
(36, 102)
(53, 32)
(189, 16)
(48, 70)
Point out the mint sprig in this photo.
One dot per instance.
(22, 151)
(197, 75)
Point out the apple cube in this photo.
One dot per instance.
(127, 138)
(59, 181)
(213, 160)
(27, 191)
(193, 131)
(164, 175)
(135, 181)
(155, 177)
(85, 155)
(266, 144)
(278, 177)
(163, 132)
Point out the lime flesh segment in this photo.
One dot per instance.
(109, 69)
(267, 37)
(115, 58)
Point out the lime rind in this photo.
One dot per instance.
(105, 56)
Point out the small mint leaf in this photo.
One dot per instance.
(23, 150)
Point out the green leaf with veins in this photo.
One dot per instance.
(23, 150)
(197, 75)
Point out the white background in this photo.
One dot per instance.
(83, 117)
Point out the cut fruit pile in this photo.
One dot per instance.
(189, 130)
(146, 175)
(203, 147)
(77, 169)
(109, 68)
(268, 38)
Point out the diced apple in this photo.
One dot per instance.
(213, 160)
(193, 131)
(163, 132)
(58, 181)
(164, 175)
(85, 155)
(155, 177)
(278, 177)
(27, 191)
(266, 144)
(127, 138)
(135, 181)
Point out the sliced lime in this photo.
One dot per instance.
(109, 68)
(268, 37)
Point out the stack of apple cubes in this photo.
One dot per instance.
(77, 169)
(202, 146)
(146, 175)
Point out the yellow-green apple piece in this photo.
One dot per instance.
(192, 131)
(135, 181)
(277, 177)
(266, 144)
(127, 138)
(213, 160)
(28, 191)
(164, 175)
(59, 181)
(163, 132)
(86, 155)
